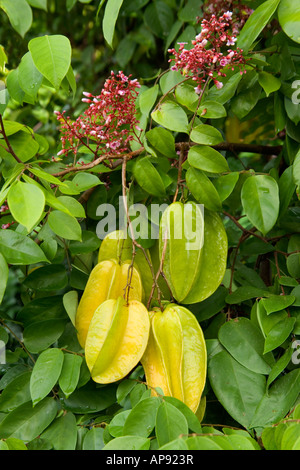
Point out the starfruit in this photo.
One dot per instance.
(117, 339)
(108, 280)
(193, 246)
(175, 359)
(116, 245)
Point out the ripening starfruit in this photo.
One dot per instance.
(117, 339)
(193, 245)
(175, 359)
(107, 280)
(115, 245)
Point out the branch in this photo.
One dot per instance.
(229, 146)
(9, 147)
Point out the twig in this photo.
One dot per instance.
(9, 147)
(181, 156)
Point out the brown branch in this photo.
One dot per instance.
(9, 147)
(224, 146)
(89, 166)
(181, 157)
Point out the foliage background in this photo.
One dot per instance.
(253, 384)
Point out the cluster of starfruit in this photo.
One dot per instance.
(116, 329)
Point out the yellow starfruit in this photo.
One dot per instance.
(117, 339)
(116, 245)
(107, 280)
(175, 359)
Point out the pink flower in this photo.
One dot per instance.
(109, 121)
(201, 62)
(219, 85)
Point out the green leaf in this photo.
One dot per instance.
(30, 79)
(24, 146)
(26, 203)
(202, 189)
(170, 423)
(237, 388)
(52, 57)
(47, 278)
(64, 225)
(42, 4)
(128, 443)
(279, 366)
(287, 188)
(296, 169)
(124, 389)
(88, 399)
(228, 90)
(256, 23)
(275, 303)
(211, 110)
(245, 293)
(186, 96)
(192, 420)
(43, 175)
(171, 116)
(289, 18)
(293, 261)
(292, 110)
(207, 159)
(41, 335)
(162, 140)
(206, 135)
(15, 444)
(260, 199)
(117, 423)
(74, 207)
(169, 80)
(141, 419)
(93, 440)
(42, 309)
(16, 393)
(84, 181)
(279, 333)
(280, 398)
(148, 177)
(291, 438)
(70, 301)
(62, 433)
(111, 14)
(244, 341)
(268, 82)
(177, 444)
(70, 373)
(225, 184)
(4, 276)
(3, 445)
(27, 422)
(45, 373)
(19, 14)
(244, 102)
(202, 443)
(19, 249)
(159, 18)
(147, 99)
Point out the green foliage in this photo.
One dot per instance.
(234, 149)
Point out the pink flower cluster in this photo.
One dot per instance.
(4, 208)
(109, 123)
(240, 11)
(211, 52)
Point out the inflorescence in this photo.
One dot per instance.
(210, 54)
